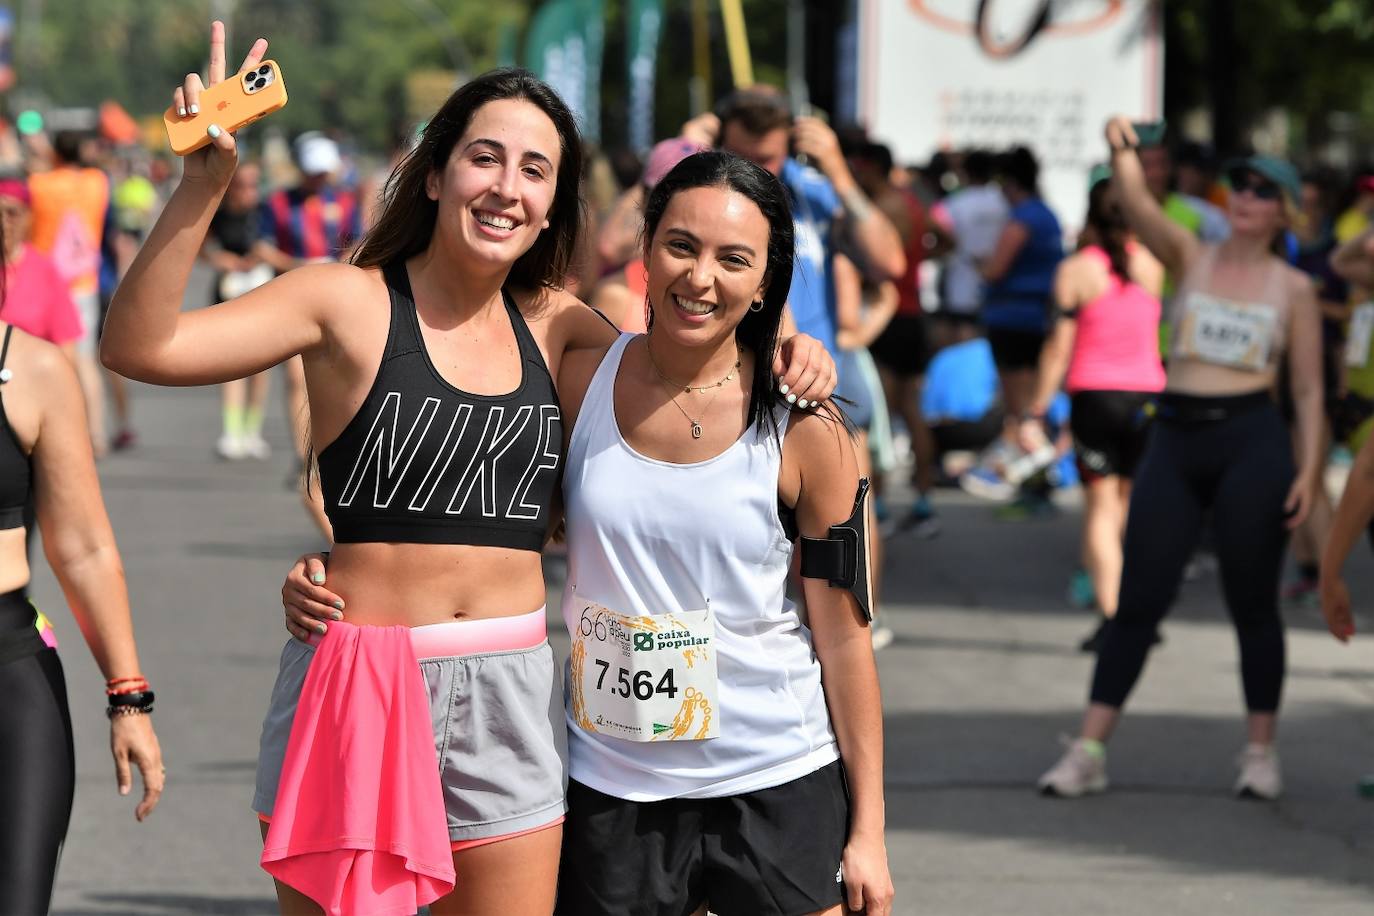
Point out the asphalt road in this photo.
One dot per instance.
(981, 679)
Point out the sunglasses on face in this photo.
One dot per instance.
(1246, 180)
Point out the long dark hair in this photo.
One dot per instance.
(406, 215)
(1110, 229)
(758, 332)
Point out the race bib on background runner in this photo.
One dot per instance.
(1357, 336)
(1225, 333)
(650, 678)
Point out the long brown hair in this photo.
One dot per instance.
(406, 215)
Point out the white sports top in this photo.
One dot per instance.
(652, 537)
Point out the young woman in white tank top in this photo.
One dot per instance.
(1219, 450)
(714, 727)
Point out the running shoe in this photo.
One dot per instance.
(255, 446)
(1301, 592)
(1081, 593)
(985, 483)
(882, 636)
(1079, 772)
(124, 440)
(1259, 773)
(921, 520)
(230, 447)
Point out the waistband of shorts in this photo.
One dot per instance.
(476, 637)
(16, 613)
(1190, 408)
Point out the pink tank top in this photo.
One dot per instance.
(1117, 344)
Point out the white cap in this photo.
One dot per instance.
(316, 154)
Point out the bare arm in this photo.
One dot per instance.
(613, 299)
(80, 548)
(827, 469)
(1354, 260)
(873, 233)
(1305, 376)
(1175, 246)
(1014, 237)
(1353, 515)
(849, 293)
(1055, 355)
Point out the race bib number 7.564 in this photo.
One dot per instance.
(650, 678)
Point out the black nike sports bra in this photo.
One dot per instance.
(16, 469)
(425, 463)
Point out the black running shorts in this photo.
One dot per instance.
(775, 852)
(1110, 429)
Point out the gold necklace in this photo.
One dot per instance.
(696, 424)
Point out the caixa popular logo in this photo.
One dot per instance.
(644, 642)
(1005, 28)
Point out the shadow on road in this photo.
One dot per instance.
(154, 904)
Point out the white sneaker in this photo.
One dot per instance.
(255, 446)
(1259, 773)
(230, 447)
(1077, 773)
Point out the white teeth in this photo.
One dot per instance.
(694, 306)
(496, 222)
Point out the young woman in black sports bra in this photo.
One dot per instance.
(45, 457)
(429, 363)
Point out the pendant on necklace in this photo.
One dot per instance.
(696, 430)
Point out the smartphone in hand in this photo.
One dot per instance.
(233, 103)
(1149, 133)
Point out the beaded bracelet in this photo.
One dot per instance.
(113, 711)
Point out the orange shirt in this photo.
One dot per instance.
(68, 217)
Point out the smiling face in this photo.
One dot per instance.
(497, 188)
(707, 264)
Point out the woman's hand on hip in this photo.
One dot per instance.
(307, 602)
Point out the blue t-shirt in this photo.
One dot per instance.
(1020, 301)
(812, 294)
(961, 383)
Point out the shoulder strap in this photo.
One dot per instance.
(404, 336)
(529, 350)
(5, 352)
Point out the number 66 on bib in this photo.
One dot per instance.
(647, 678)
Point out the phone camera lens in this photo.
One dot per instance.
(265, 69)
(259, 84)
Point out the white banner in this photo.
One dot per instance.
(954, 74)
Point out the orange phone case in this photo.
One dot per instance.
(229, 104)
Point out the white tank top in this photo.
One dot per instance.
(652, 537)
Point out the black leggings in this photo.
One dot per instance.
(37, 764)
(1240, 467)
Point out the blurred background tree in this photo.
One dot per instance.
(348, 62)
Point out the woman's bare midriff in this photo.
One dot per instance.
(14, 560)
(417, 584)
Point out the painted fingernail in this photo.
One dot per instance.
(802, 403)
(783, 388)
(791, 399)
(321, 629)
(337, 615)
(317, 578)
(815, 404)
(195, 109)
(338, 604)
(181, 110)
(213, 130)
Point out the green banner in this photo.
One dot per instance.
(643, 25)
(564, 47)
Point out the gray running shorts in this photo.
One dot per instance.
(499, 732)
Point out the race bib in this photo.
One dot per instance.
(650, 678)
(1225, 333)
(1357, 336)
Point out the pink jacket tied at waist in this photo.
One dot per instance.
(359, 823)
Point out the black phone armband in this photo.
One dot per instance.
(843, 558)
